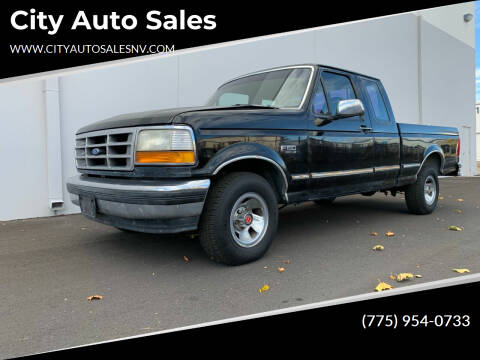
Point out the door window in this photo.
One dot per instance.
(319, 101)
(338, 87)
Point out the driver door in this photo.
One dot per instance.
(341, 149)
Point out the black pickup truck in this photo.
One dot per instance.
(263, 140)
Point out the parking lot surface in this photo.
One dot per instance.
(49, 266)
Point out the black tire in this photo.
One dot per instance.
(327, 201)
(217, 230)
(416, 195)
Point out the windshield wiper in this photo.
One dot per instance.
(255, 106)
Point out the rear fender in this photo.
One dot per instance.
(430, 151)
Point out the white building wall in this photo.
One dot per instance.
(477, 143)
(450, 20)
(23, 180)
(387, 48)
(446, 94)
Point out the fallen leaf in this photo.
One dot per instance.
(286, 261)
(455, 228)
(392, 276)
(460, 200)
(95, 297)
(378, 247)
(264, 288)
(404, 276)
(440, 198)
(383, 286)
(389, 233)
(461, 271)
(281, 269)
(186, 259)
(458, 211)
(418, 275)
(373, 233)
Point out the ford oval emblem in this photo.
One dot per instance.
(95, 151)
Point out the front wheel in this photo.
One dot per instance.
(240, 218)
(422, 196)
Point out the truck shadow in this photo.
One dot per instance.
(152, 249)
(294, 222)
(357, 205)
(341, 216)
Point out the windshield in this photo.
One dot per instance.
(277, 88)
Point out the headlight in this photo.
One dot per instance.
(165, 146)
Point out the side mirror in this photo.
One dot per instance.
(350, 107)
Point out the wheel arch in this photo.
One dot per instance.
(433, 152)
(255, 158)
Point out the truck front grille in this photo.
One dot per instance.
(105, 150)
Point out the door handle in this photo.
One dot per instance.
(364, 128)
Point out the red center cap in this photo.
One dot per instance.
(248, 219)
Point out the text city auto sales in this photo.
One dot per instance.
(23, 20)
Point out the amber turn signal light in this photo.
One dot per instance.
(165, 157)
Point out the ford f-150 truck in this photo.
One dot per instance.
(275, 137)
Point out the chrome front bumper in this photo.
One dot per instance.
(155, 206)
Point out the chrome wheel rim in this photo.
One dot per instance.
(430, 190)
(249, 219)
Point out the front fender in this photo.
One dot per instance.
(243, 151)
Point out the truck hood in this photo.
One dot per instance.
(146, 118)
(159, 117)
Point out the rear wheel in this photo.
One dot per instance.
(422, 196)
(240, 218)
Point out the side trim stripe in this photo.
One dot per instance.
(387, 168)
(412, 165)
(342, 173)
(300, 176)
(346, 172)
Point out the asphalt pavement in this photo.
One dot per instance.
(49, 266)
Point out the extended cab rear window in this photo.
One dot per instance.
(375, 98)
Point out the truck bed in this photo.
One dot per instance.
(417, 141)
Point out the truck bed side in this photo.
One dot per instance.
(419, 142)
